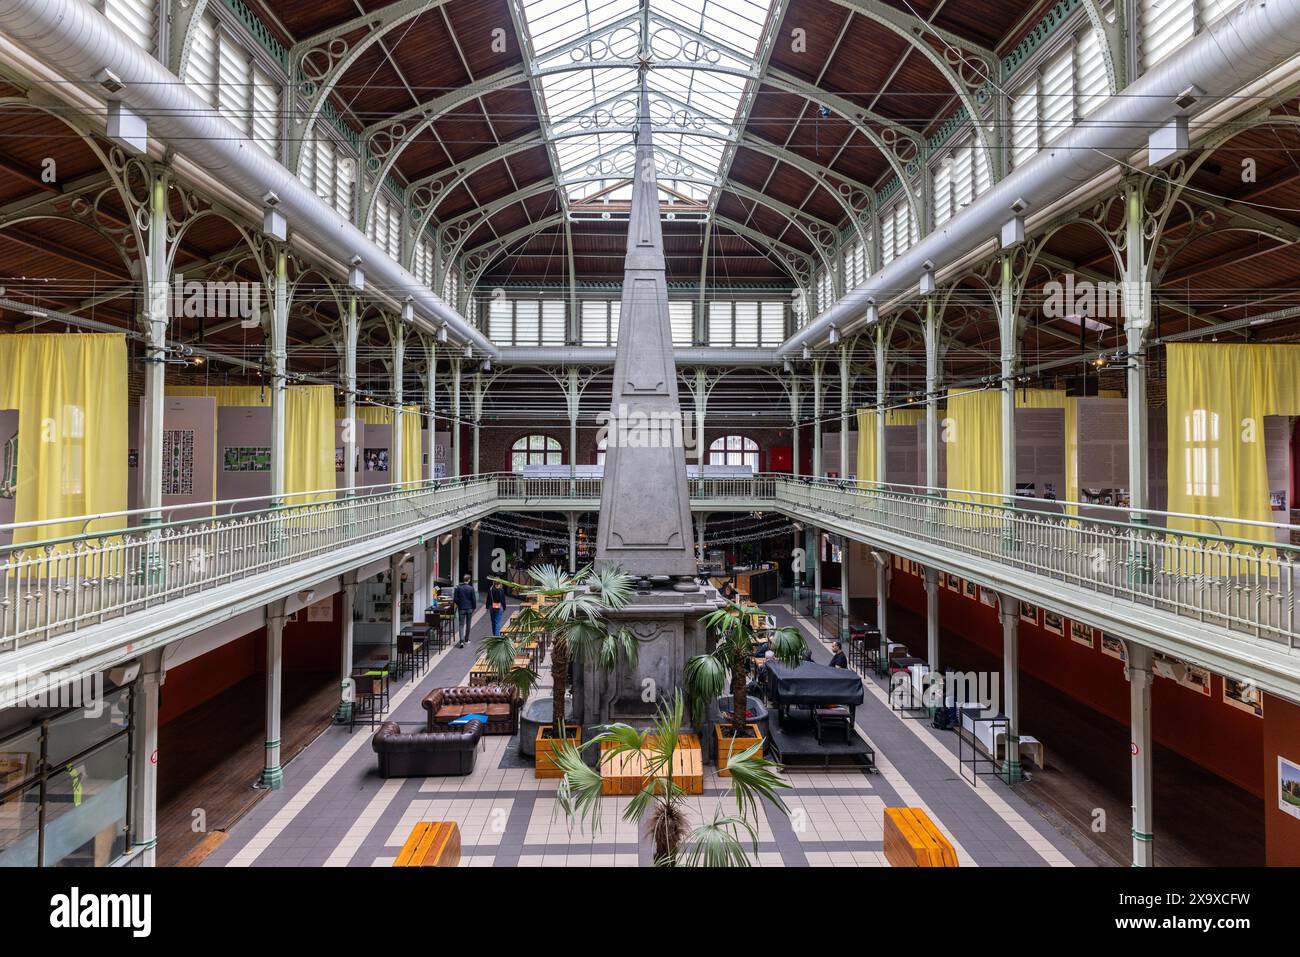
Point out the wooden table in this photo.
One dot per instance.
(431, 844)
(625, 773)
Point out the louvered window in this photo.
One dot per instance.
(941, 192)
(1164, 26)
(772, 317)
(138, 19)
(265, 125)
(681, 316)
(1212, 10)
(599, 326)
(1024, 125)
(201, 68)
(855, 263)
(1058, 95)
(1090, 72)
(554, 332)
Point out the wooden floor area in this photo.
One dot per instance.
(210, 756)
(1088, 768)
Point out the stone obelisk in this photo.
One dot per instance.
(645, 516)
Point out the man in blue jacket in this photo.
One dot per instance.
(466, 600)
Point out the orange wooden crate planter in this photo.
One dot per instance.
(626, 773)
(544, 765)
(431, 844)
(912, 840)
(727, 745)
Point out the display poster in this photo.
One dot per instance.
(1053, 622)
(1288, 787)
(969, 589)
(1083, 634)
(1243, 695)
(1029, 613)
(246, 458)
(178, 462)
(322, 610)
(1113, 647)
(375, 460)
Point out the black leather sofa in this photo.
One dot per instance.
(424, 753)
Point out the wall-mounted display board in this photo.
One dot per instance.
(189, 454)
(1040, 453)
(244, 436)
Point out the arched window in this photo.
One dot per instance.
(535, 450)
(734, 450)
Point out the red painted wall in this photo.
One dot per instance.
(308, 646)
(1219, 737)
(1281, 738)
(194, 682)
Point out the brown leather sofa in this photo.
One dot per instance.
(424, 754)
(500, 704)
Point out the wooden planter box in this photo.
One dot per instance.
(727, 745)
(544, 765)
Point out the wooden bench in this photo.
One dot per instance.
(913, 840)
(625, 773)
(431, 844)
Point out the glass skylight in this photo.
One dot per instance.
(591, 102)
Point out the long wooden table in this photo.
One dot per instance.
(625, 773)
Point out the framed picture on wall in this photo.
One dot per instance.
(1243, 695)
(1288, 787)
(898, 561)
(1029, 613)
(1053, 622)
(1113, 647)
(1083, 634)
(322, 610)
(1197, 679)
(989, 597)
(970, 589)
(952, 582)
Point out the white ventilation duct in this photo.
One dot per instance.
(80, 43)
(1240, 48)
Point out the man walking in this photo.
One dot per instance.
(466, 600)
(496, 603)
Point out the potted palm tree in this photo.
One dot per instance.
(660, 803)
(706, 675)
(568, 607)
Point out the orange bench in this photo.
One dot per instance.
(625, 773)
(431, 844)
(912, 840)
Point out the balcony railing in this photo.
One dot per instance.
(55, 586)
(1243, 585)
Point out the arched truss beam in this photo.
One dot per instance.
(386, 140)
(1113, 47)
(818, 232)
(317, 63)
(427, 194)
(970, 69)
(475, 261)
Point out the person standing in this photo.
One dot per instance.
(466, 600)
(496, 603)
(838, 658)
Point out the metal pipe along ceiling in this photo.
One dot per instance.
(586, 355)
(1241, 47)
(80, 42)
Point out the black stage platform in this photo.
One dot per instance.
(795, 746)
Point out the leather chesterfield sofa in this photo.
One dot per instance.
(424, 754)
(500, 705)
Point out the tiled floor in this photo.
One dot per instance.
(335, 810)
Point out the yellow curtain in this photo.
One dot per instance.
(867, 446)
(1218, 395)
(904, 416)
(308, 430)
(71, 395)
(972, 430)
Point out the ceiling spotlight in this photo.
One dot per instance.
(469, 351)
(442, 332)
(834, 336)
(1100, 362)
(807, 353)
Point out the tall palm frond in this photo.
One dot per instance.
(717, 844)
